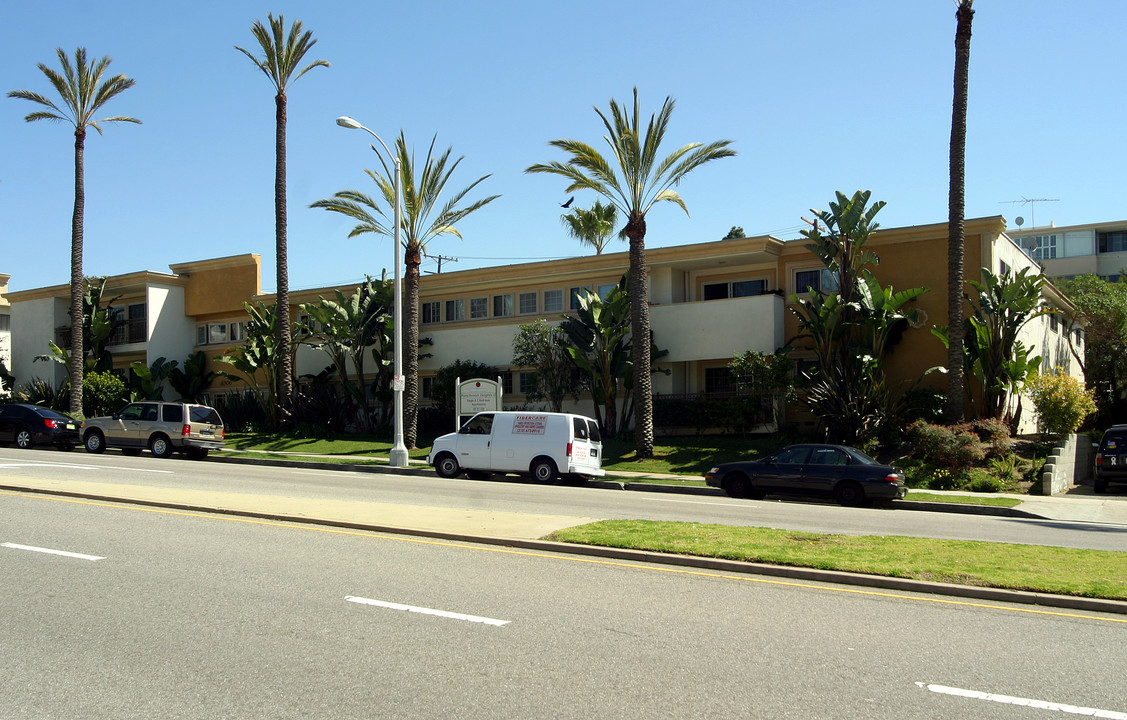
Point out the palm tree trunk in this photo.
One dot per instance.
(956, 233)
(411, 348)
(640, 331)
(77, 281)
(285, 359)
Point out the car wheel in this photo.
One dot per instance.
(132, 452)
(196, 453)
(160, 446)
(544, 470)
(94, 442)
(849, 494)
(446, 465)
(738, 485)
(24, 439)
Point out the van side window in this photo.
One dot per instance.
(479, 425)
(593, 426)
(580, 428)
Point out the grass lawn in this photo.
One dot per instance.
(1061, 571)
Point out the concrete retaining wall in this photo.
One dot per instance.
(1069, 464)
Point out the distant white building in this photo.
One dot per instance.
(1071, 250)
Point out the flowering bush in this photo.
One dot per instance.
(1062, 404)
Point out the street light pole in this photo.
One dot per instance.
(398, 456)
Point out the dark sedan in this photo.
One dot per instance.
(846, 474)
(30, 425)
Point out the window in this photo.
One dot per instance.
(740, 288)
(479, 308)
(1054, 323)
(211, 334)
(526, 382)
(718, 380)
(821, 280)
(431, 312)
(138, 328)
(428, 387)
(5, 323)
(574, 293)
(503, 305)
(527, 303)
(455, 310)
(1003, 268)
(507, 383)
(172, 413)
(1112, 241)
(605, 290)
(553, 301)
(238, 331)
(1045, 247)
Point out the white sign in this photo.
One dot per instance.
(398, 383)
(476, 395)
(530, 424)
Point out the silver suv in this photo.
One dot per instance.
(162, 427)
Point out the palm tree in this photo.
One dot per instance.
(83, 93)
(420, 225)
(644, 182)
(956, 235)
(282, 53)
(591, 227)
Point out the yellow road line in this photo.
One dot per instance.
(295, 525)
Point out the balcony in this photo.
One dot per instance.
(712, 329)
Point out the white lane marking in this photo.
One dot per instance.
(427, 611)
(64, 553)
(1026, 702)
(17, 465)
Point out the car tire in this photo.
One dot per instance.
(446, 465)
(544, 470)
(94, 442)
(738, 485)
(849, 494)
(160, 446)
(24, 439)
(131, 452)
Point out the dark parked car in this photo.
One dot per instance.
(846, 474)
(1111, 458)
(30, 425)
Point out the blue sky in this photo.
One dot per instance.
(816, 96)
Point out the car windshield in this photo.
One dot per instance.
(49, 413)
(861, 457)
(204, 414)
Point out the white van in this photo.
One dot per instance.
(541, 444)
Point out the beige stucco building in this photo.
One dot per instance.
(709, 302)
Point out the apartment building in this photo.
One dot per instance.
(1071, 250)
(709, 301)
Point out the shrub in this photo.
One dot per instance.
(995, 432)
(38, 391)
(103, 393)
(955, 448)
(1062, 404)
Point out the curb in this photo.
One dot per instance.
(748, 568)
(425, 470)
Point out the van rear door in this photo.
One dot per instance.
(586, 446)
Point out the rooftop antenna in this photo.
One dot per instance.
(1032, 203)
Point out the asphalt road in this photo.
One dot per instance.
(168, 614)
(514, 496)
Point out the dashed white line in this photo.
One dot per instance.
(16, 465)
(427, 611)
(1025, 702)
(64, 553)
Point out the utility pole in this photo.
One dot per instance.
(440, 258)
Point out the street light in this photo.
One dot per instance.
(398, 455)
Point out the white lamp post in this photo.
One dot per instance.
(398, 455)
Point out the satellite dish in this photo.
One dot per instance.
(1019, 220)
(1030, 243)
